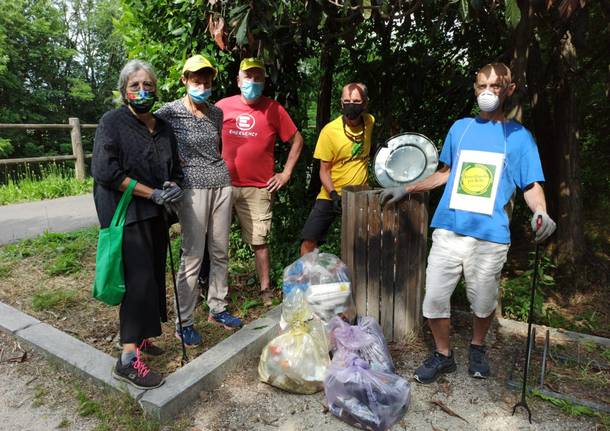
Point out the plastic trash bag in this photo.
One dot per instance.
(365, 398)
(297, 360)
(324, 279)
(365, 339)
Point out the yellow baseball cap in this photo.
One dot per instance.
(198, 62)
(251, 63)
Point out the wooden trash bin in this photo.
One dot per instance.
(385, 250)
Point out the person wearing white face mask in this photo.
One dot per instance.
(484, 160)
(205, 211)
(252, 123)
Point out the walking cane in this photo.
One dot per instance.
(185, 357)
(523, 402)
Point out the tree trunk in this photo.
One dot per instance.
(329, 53)
(570, 232)
(518, 65)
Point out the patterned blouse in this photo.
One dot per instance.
(198, 145)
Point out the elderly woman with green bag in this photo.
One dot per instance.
(133, 144)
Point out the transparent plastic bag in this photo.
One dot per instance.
(297, 360)
(362, 397)
(324, 279)
(364, 339)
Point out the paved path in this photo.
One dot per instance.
(28, 220)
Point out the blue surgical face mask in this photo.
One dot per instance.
(251, 90)
(199, 96)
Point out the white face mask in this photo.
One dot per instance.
(488, 101)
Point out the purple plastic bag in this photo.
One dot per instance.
(365, 339)
(365, 398)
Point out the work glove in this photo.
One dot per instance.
(546, 227)
(172, 191)
(334, 196)
(392, 195)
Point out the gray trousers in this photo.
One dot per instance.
(204, 214)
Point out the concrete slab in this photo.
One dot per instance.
(74, 355)
(12, 320)
(209, 370)
(28, 220)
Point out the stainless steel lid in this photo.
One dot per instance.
(404, 159)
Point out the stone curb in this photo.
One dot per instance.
(182, 387)
(513, 327)
(208, 371)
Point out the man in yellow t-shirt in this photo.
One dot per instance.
(343, 148)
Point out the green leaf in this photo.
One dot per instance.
(366, 11)
(512, 14)
(178, 31)
(242, 32)
(464, 9)
(238, 10)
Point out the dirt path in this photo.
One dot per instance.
(35, 396)
(243, 403)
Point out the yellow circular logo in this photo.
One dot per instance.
(476, 179)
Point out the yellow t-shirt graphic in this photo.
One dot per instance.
(349, 167)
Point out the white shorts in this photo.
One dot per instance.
(481, 261)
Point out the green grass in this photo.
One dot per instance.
(54, 299)
(54, 181)
(61, 253)
(120, 412)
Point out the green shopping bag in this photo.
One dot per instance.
(109, 284)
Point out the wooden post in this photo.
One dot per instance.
(385, 250)
(77, 148)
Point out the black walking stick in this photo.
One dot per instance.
(185, 357)
(530, 318)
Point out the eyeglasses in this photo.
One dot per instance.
(145, 85)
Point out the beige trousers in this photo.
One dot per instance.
(205, 214)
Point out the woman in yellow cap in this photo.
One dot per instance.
(205, 210)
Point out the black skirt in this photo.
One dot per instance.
(144, 305)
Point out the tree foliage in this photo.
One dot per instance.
(57, 59)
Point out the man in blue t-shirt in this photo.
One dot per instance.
(484, 160)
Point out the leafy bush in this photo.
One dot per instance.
(516, 291)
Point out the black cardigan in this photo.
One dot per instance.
(124, 147)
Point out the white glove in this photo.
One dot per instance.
(546, 227)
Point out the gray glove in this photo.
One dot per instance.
(546, 227)
(158, 196)
(393, 195)
(172, 191)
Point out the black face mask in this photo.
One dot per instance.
(353, 110)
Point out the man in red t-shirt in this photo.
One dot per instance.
(251, 124)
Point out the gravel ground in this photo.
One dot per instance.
(243, 403)
(35, 395)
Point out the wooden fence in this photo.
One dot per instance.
(385, 250)
(78, 154)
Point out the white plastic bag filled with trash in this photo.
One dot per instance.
(324, 279)
(363, 397)
(296, 361)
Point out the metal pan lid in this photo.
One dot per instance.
(404, 159)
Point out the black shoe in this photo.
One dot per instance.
(137, 374)
(478, 366)
(434, 366)
(147, 347)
